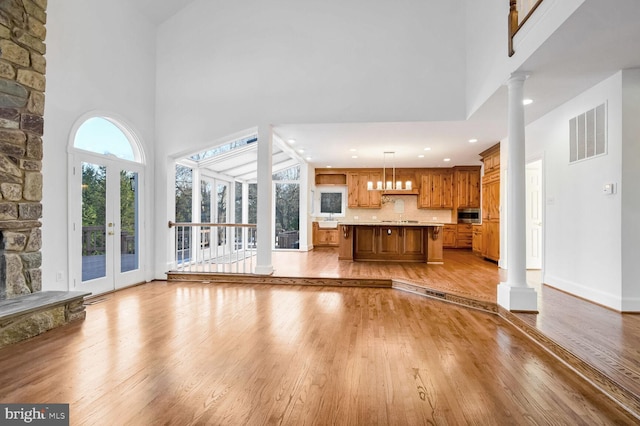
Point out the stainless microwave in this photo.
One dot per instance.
(468, 215)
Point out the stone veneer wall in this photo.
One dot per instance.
(22, 85)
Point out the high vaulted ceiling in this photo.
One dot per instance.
(159, 11)
(599, 39)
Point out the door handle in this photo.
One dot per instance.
(110, 233)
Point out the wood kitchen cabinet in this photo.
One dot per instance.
(476, 245)
(464, 235)
(467, 187)
(491, 159)
(358, 196)
(491, 203)
(390, 243)
(449, 235)
(325, 237)
(457, 236)
(436, 189)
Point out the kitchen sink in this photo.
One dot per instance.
(332, 224)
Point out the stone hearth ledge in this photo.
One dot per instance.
(27, 316)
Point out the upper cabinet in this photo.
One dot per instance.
(330, 177)
(436, 189)
(359, 196)
(467, 184)
(491, 159)
(441, 188)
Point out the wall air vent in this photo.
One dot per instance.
(588, 134)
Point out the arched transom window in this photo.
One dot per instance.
(103, 136)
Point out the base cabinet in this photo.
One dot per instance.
(491, 240)
(477, 239)
(325, 237)
(449, 236)
(390, 243)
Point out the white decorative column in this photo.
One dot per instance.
(515, 294)
(264, 264)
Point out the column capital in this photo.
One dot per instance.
(518, 76)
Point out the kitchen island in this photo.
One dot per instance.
(408, 241)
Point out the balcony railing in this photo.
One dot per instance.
(218, 248)
(519, 13)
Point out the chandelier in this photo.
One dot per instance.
(389, 183)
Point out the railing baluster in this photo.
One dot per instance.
(234, 244)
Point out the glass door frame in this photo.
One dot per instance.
(215, 183)
(274, 236)
(114, 279)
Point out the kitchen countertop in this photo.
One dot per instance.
(390, 223)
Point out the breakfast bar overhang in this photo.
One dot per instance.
(391, 241)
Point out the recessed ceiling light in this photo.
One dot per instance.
(353, 150)
(328, 167)
(354, 156)
(446, 160)
(427, 149)
(308, 158)
(291, 141)
(421, 156)
(473, 140)
(527, 101)
(301, 151)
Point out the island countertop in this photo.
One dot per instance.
(399, 241)
(390, 223)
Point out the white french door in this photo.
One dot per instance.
(214, 196)
(106, 233)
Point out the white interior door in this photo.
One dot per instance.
(106, 232)
(534, 214)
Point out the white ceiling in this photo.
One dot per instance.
(159, 11)
(594, 43)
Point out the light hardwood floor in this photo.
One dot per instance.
(197, 353)
(192, 353)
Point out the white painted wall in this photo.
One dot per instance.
(583, 227)
(630, 190)
(487, 61)
(100, 56)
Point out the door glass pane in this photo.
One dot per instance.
(205, 213)
(184, 188)
(253, 203)
(238, 202)
(94, 193)
(287, 200)
(129, 258)
(222, 191)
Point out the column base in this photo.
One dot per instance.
(517, 299)
(264, 269)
